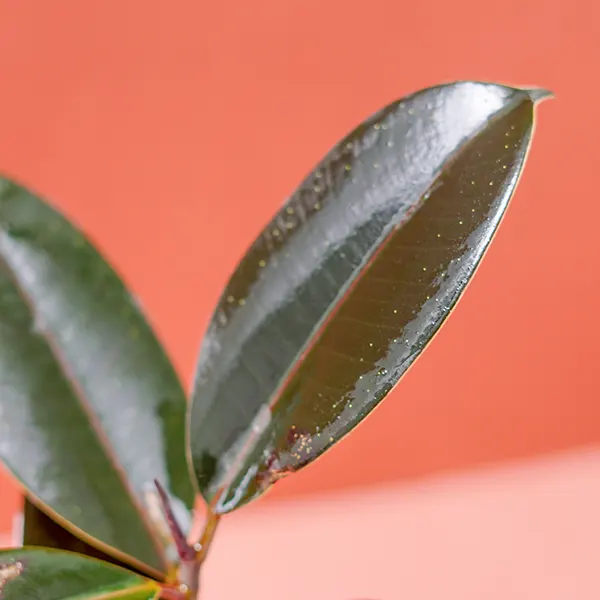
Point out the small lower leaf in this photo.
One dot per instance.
(35, 573)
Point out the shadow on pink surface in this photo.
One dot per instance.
(522, 531)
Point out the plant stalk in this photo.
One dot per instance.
(191, 557)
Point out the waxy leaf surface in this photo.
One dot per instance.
(39, 573)
(352, 278)
(91, 410)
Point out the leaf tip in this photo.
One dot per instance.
(538, 95)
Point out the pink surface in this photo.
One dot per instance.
(521, 532)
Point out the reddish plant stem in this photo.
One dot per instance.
(191, 557)
(208, 534)
(184, 550)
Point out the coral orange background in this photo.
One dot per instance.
(171, 131)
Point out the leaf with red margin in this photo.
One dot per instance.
(350, 281)
(91, 408)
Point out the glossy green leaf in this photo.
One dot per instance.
(350, 280)
(91, 410)
(40, 573)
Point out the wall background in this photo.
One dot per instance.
(170, 132)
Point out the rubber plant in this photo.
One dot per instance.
(330, 306)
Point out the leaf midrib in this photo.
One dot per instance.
(371, 256)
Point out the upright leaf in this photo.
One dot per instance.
(351, 279)
(91, 409)
(39, 573)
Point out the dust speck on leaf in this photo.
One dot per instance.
(8, 572)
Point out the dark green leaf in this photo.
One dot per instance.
(349, 282)
(39, 573)
(91, 409)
